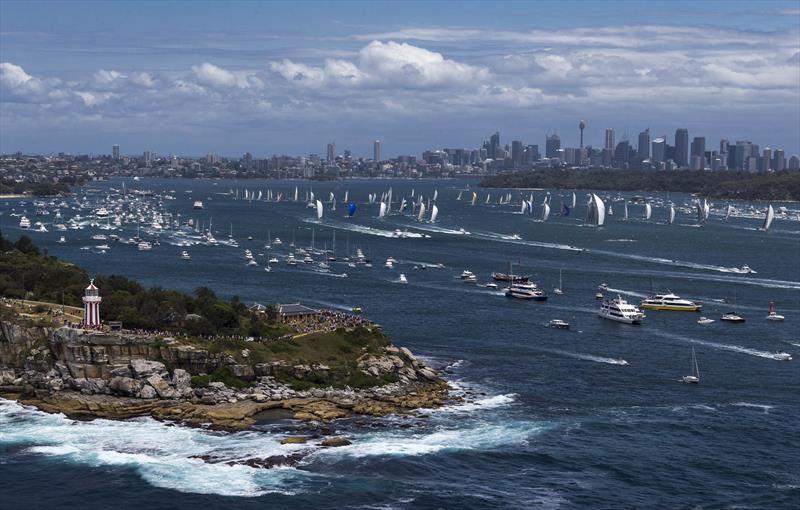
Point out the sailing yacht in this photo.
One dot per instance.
(560, 289)
(695, 377)
(773, 314)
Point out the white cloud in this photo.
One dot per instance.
(217, 77)
(106, 77)
(16, 80)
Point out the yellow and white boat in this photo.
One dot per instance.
(669, 302)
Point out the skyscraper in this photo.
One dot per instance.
(698, 159)
(659, 149)
(494, 145)
(682, 147)
(115, 151)
(778, 160)
(552, 145)
(331, 152)
(644, 144)
(610, 139)
(376, 151)
(516, 153)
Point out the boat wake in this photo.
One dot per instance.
(586, 357)
(627, 292)
(715, 345)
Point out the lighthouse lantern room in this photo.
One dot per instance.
(91, 306)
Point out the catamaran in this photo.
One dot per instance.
(695, 377)
(669, 302)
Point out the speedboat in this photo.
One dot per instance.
(746, 269)
(185, 255)
(526, 291)
(468, 276)
(773, 314)
(598, 295)
(356, 309)
(273, 260)
(277, 242)
(102, 212)
(731, 317)
(782, 356)
(621, 311)
(558, 324)
(703, 321)
(24, 222)
(145, 246)
(62, 240)
(602, 286)
(198, 204)
(402, 279)
(669, 302)
(491, 285)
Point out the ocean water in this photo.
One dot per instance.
(551, 419)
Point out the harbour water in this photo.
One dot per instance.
(552, 418)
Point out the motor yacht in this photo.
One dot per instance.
(731, 317)
(621, 311)
(468, 276)
(24, 222)
(308, 260)
(290, 260)
(782, 356)
(669, 302)
(198, 204)
(491, 285)
(525, 291)
(558, 324)
(389, 264)
(145, 246)
(277, 242)
(273, 260)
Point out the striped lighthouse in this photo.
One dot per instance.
(91, 306)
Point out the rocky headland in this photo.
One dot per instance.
(87, 374)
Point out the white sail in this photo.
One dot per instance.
(412, 192)
(610, 210)
(488, 197)
(768, 218)
(259, 195)
(434, 213)
(728, 212)
(524, 207)
(295, 193)
(435, 194)
(311, 197)
(346, 195)
(382, 212)
(545, 212)
(319, 210)
(596, 215)
(573, 201)
(671, 214)
(421, 212)
(332, 197)
(626, 210)
(706, 209)
(474, 197)
(648, 211)
(459, 195)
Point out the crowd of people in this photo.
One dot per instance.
(329, 320)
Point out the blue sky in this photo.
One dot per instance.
(229, 77)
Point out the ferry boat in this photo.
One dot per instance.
(198, 204)
(525, 291)
(502, 277)
(621, 311)
(24, 222)
(558, 324)
(669, 302)
(732, 317)
(185, 255)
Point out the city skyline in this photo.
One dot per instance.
(213, 80)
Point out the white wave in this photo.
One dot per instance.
(163, 455)
(475, 405)
(627, 292)
(715, 345)
(621, 240)
(491, 236)
(481, 436)
(352, 227)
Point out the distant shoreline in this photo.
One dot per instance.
(780, 186)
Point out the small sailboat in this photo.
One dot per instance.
(402, 279)
(560, 289)
(773, 314)
(695, 377)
